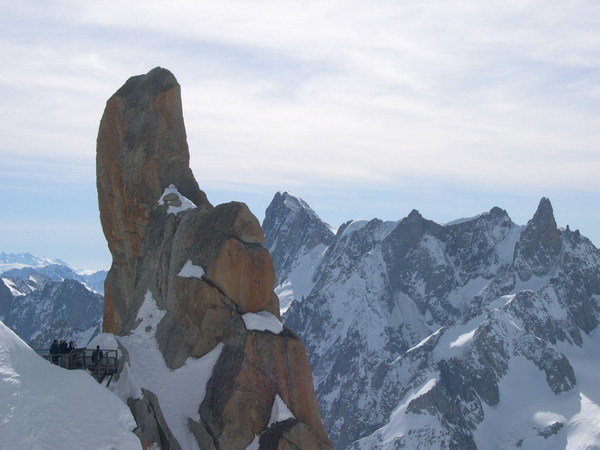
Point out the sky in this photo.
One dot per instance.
(363, 109)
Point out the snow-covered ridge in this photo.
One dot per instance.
(464, 219)
(354, 226)
(9, 261)
(39, 310)
(24, 266)
(44, 406)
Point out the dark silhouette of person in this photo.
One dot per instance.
(70, 356)
(63, 348)
(97, 356)
(54, 350)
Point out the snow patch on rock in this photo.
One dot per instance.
(262, 321)
(279, 411)
(255, 444)
(44, 406)
(401, 422)
(12, 287)
(189, 270)
(175, 201)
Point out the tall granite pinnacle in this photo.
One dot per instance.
(539, 244)
(197, 280)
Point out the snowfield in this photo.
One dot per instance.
(45, 407)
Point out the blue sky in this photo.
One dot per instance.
(363, 109)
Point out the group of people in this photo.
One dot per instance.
(60, 353)
(60, 348)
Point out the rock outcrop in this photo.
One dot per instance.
(195, 280)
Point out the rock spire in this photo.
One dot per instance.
(196, 280)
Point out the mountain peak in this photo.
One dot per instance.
(293, 203)
(543, 220)
(291, 226)
(544, 211)
(414, 215)
(497, 211)
(147, 86)
(540, 243)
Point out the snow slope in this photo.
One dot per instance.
(179, 391)
(46, 407)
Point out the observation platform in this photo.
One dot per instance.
(81, 359)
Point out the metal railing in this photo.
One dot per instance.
(81, 358)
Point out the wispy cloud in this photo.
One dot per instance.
(492, 95)
(373, 91)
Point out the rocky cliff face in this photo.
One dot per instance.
(142, 148)
(475, 334)
(296, 238)
(192, 287)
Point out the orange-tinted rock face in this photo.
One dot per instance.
(205, 267)
(272, 365)
(142, 148)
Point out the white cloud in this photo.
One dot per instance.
(279, 93)
(377, 90)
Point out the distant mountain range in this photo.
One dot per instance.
(42, 299)
(480, 333)
(10, 261)
(476, 334)
(24, 265)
